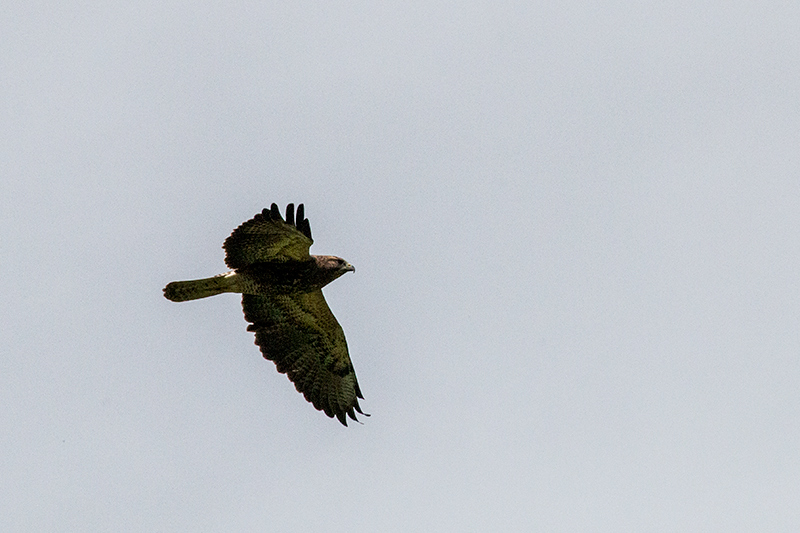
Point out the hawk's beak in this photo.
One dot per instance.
(348, 267)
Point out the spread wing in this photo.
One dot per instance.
(301, 336)
(267, 237)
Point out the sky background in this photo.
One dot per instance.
(575, 228)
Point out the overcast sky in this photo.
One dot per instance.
(575, 228)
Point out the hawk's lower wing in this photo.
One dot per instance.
(301, 336)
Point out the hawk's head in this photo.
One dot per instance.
(331, 267)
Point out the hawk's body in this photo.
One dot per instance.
(282, 299)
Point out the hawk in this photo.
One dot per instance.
(281, 287)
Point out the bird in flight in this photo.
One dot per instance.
(281, 287)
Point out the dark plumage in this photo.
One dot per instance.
(282, 299)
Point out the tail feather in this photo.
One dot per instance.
(181, 291)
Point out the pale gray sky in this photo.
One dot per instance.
(575, 227)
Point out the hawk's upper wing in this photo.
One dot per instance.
(267, 237)
(300, 334)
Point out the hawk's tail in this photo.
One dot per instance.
(181, 291)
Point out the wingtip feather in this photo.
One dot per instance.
(275, 213)
(290, 214)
